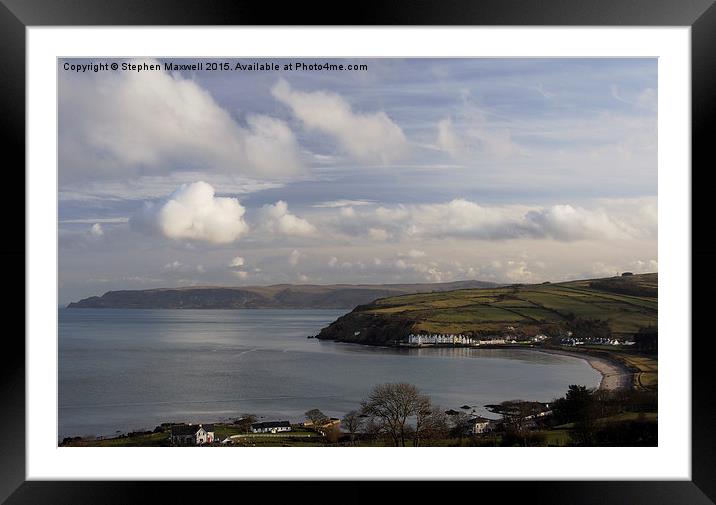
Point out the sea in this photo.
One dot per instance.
(123, 370)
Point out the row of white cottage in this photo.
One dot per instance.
(460, 339)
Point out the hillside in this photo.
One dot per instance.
(281, 296)
(625, 303)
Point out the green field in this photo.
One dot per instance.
(625, 303)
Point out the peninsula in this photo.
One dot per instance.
(279, 296)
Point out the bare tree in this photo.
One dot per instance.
(430, 421)
(518, 417)
(352, 422)
(389, 406)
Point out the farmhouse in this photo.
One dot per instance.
(271, 427)
(478, 425)
(188, 434)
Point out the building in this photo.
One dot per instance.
(439, 339)
(192, 434)
(478, 425)
(271, 427)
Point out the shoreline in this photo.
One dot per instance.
(615, 375)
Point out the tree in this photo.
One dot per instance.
(646, 340)
(244, 424)
(518, 417)
(352, 422)
(581, 407)
(316, 417)
(389, 406)
(430, 421)
(459, 422)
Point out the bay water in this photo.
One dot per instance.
(122, 370)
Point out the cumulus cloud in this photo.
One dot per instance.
(96, 230)
(237, 261)
(467, 219)
(118, 123)
(193, 212)
(369, 136)
(277, 219)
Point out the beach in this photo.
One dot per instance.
(614, 374)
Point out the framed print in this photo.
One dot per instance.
(423, 245)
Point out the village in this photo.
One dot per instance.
(507, 338)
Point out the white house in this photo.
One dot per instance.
(271, 427)
(192, 434)
(478, 425)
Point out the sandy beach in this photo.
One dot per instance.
(614, 374)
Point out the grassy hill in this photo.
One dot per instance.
(283, 296)
(626, 303)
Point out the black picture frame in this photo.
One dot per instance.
(16, 15)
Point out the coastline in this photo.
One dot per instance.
(615, 375)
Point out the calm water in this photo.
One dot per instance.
(122, 370)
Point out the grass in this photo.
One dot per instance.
(649, 417)
(160, 439)
(529, 307)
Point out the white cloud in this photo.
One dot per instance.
(277, 219)
(193, 212)
(378, 234)
(365, 136)
(237, 261)
(294, 257)
(448, 139)
(173, 266)
(462, 218)
(96, 230)
(564, 222)
(119, 123)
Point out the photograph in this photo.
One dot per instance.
(383, 252)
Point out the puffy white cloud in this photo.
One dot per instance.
(193, 212)
(365, 136)
(237, 261)
(294, 257)
(173, 266)
(118, 123)
(467, 219)
(277, 219)
(564, 222)
(378, 234)
(96, 230)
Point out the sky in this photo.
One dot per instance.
(414, 170)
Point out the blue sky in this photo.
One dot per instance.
(418, 170)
